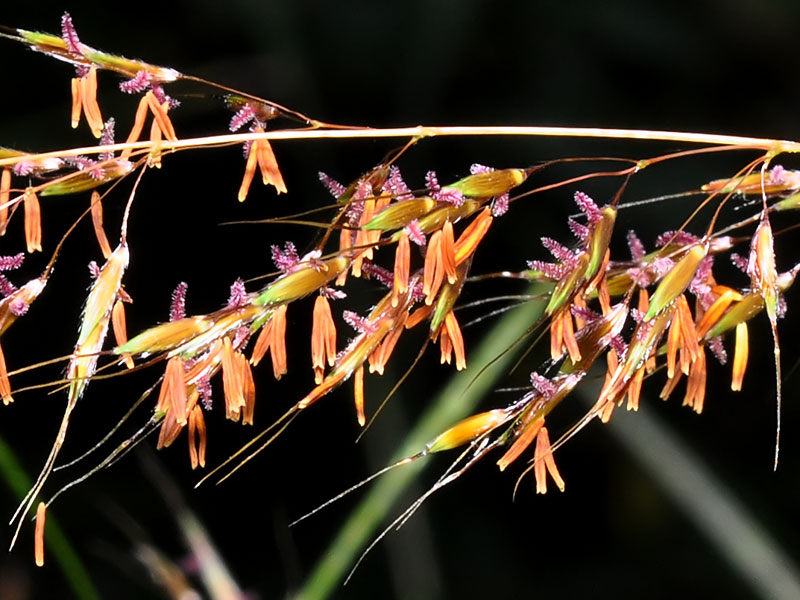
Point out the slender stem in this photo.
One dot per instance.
(421, 131)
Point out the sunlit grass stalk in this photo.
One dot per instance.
(773, 146)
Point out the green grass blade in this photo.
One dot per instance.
(56, 543)
(455, 402)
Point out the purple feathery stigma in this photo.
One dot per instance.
(585, 313)
(777, 176)
(476, 168)
(335, 188)
(6, 287)
(542, 385)
(549, 270)
(18, 307)
(203, 385)
(82, 163)
(107, 139)
(94, 270)
(379, 273)
(358, 322)
(417, 294)
(661, 266)
(716, 347)
(449, 195)
(781, 306)
(588, 206)
(284, 259)
(162, 96)
(500, 205)
(334, 294)
(432, 182)
(69, 35)
(177, 307)
(679, 238)
(9, 263)
(560, 252)
(415, 233)
(354, 213)
(136, 84)
(635, 245)
(23, 168)
(242, 117)
(363, 190)
(578, 230)
(396, 186)
(698, 285)
(238, 296)
(740, 262)
(618, 345)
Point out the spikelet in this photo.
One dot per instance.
(96, 318)
(302, 282)
(488, 184)
(467, 430)
(99, 304)
(676, 281)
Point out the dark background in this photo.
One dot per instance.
(722, 67)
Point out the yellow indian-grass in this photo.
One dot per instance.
(273, 294)
(588, 278)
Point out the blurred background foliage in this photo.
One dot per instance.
(714, 66)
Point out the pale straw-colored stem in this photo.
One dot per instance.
(420, 131)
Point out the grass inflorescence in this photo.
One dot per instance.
(619, 310)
